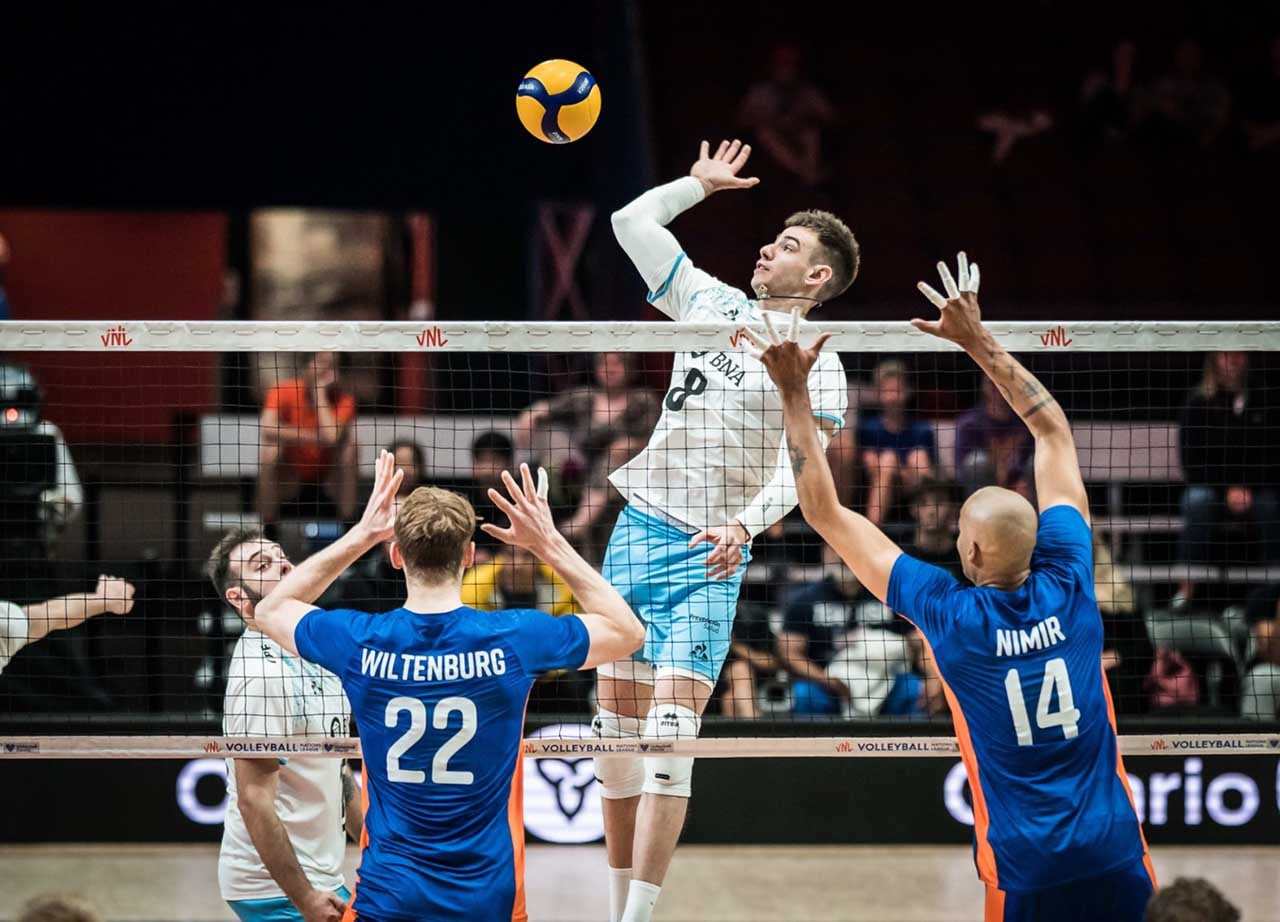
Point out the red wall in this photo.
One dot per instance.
(97, 265)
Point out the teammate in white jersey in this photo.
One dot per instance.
(283, 840)
(716, 473)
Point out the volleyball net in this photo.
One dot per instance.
(129, 450)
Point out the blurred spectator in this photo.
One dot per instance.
(1010, 125)
(491, 454)
(993, 447)
(1260, 105)
(53, 907)
(840, 657)
(410, 459)
(4, 263)
(1106, 97)
(1186, 105)
(814, 626)
(307, 455)
(41, 496)
(751, 658)
(1229, 463)
(1190, 899)
(898, 449)
(786, 113)
(1260, 689)
(935, 513)
(514, 578)
(1127, 654)
(583, 435)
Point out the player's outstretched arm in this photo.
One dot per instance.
(613, 627)
(111, 594)
(640, 227)
(278, 614)
(256, 782)
(1058, 480)
(864, 547)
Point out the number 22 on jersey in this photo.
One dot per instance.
(1055, 679)
(441, 773)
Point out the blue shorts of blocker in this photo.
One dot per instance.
(1120, 896)
(688, 618)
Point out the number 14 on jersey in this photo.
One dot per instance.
(1055, 679)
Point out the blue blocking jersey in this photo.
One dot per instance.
(439, 700)
(1023, 674)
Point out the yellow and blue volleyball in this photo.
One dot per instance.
(558, 101)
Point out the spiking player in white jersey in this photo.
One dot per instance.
(715, 472)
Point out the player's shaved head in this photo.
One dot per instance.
(997, 536)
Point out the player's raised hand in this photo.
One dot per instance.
(721, 170)
(960, 319)
(114, 594)
(531, 525)
(787, 363)
(379, 520)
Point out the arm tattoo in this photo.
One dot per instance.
(1038, 407)
(797, 460)
(1032, 389)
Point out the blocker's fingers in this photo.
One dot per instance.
(732, 153)
(793, 332)
(512, 487)
(542, 483)
(755, 340)
(820, 342)
(704, 150)
(502, 503)
(768, 325)
(741, 160)
(974, 278)
(928, 291)
(948, 283)
(962, 271)
(720, 151)
(526, 480)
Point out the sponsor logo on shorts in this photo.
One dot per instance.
(699, 652)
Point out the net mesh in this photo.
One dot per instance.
(129, 451)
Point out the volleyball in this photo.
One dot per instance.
(558, 101)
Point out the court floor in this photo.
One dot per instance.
(567, 884)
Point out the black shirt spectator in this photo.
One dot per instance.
(1229, 461)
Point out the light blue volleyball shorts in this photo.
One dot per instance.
(688, 618)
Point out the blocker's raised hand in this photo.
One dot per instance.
(379, 519)
(531, 525)
(961, 317)
(721, 171)
(787, 363)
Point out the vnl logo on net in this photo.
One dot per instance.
(116, 338)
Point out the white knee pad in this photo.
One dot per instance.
(671, 775)
(620, 777)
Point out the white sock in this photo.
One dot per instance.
(619, 882)
(642, 896)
